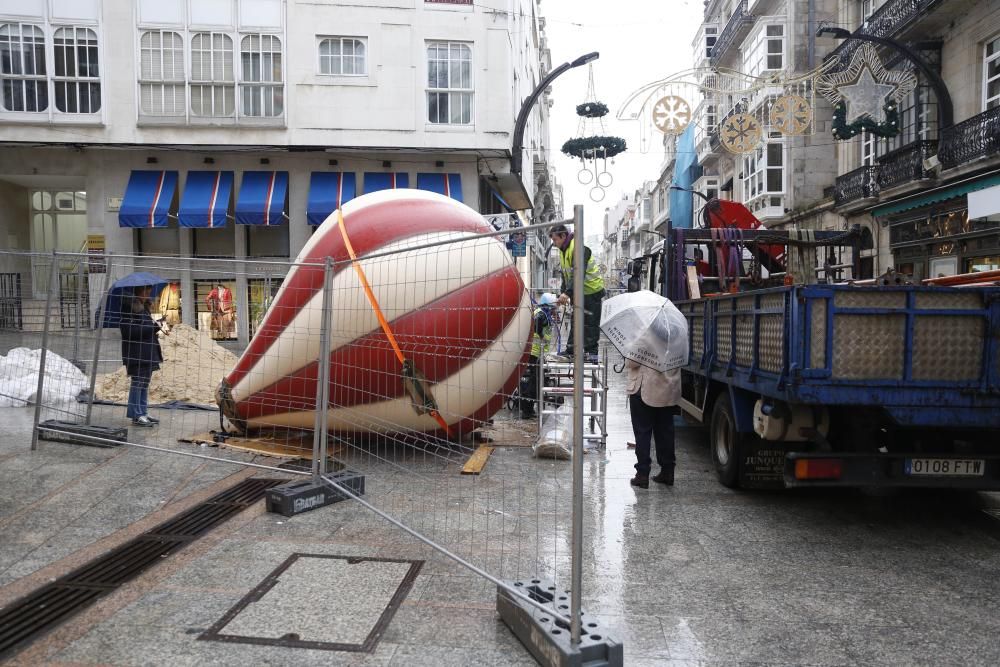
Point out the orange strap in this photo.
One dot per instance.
(378, 311)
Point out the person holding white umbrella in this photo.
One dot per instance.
(652, 335)
(652, 402)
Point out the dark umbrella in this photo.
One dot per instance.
(124, 288)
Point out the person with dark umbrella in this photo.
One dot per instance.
(141, 353)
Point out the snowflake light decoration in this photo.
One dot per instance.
(791, 114)
(671, 114)
(740, 133)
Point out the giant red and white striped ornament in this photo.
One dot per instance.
(458, 311)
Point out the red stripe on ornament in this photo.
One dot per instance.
(441, 338)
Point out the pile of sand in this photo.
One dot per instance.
(193, 365)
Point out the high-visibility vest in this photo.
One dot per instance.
(540, 344)
(592, 281)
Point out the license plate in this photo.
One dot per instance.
(945, 467)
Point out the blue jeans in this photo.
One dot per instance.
(648, 423)
(138, 394)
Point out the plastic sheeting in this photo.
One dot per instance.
(19, 378)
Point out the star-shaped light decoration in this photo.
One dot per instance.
(867, 97)
(867, 89)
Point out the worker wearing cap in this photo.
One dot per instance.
(541, 338)
(593, 290)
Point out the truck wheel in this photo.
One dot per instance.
(726, 442)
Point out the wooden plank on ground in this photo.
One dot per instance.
(291, 445)
(477, 461)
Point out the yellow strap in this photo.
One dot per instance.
(378, 311)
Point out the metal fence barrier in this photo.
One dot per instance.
(393, 363)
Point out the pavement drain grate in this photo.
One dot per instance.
(320, 601)
(40, 611)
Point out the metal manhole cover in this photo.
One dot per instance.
(337, 603)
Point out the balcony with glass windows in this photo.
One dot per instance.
(974, 139)
(905, 165)
(889, 20)
(855, 186)
(733, 34)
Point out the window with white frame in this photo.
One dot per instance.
(869, 7)
(261, 92)
(764, 171)
(765, 51)
(161, 73)
(343, 56)
(869, 146)
(991, 74)
(76, 74)
(449, 83)
(213, 80)
(22, 68)
(711, 36)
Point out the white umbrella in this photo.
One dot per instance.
(646, 328)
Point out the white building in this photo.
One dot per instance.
(121, 120)
(785, 175)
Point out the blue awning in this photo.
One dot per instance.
(263, 198)
(150, 198)
(207, 199)
(375, 181)
(328, 191)
(449, 185)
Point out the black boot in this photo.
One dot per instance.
(642, 481)
(666, 476)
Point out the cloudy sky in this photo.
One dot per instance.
(640, 41)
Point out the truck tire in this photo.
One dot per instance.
(726, 442)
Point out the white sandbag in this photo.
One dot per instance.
(19, 378)
(555, 438)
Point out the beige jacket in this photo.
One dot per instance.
(657, 389)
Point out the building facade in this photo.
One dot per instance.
(231, 128)
(786, 175)
(930, 197)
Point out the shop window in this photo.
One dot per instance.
(260, 294)
(168, 305)
(216, 307)
(977, 264)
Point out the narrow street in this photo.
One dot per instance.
(696, 574)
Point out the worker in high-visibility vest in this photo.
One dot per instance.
(541, 339)
(593, 290)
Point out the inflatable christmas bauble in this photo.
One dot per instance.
(458, 312)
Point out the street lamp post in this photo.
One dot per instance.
(517, 145)
(945, 107)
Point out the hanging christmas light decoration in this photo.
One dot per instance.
(592, 145)
(866, 95)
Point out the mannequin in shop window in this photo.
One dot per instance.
(220, 304)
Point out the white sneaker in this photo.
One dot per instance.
(143, 421)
